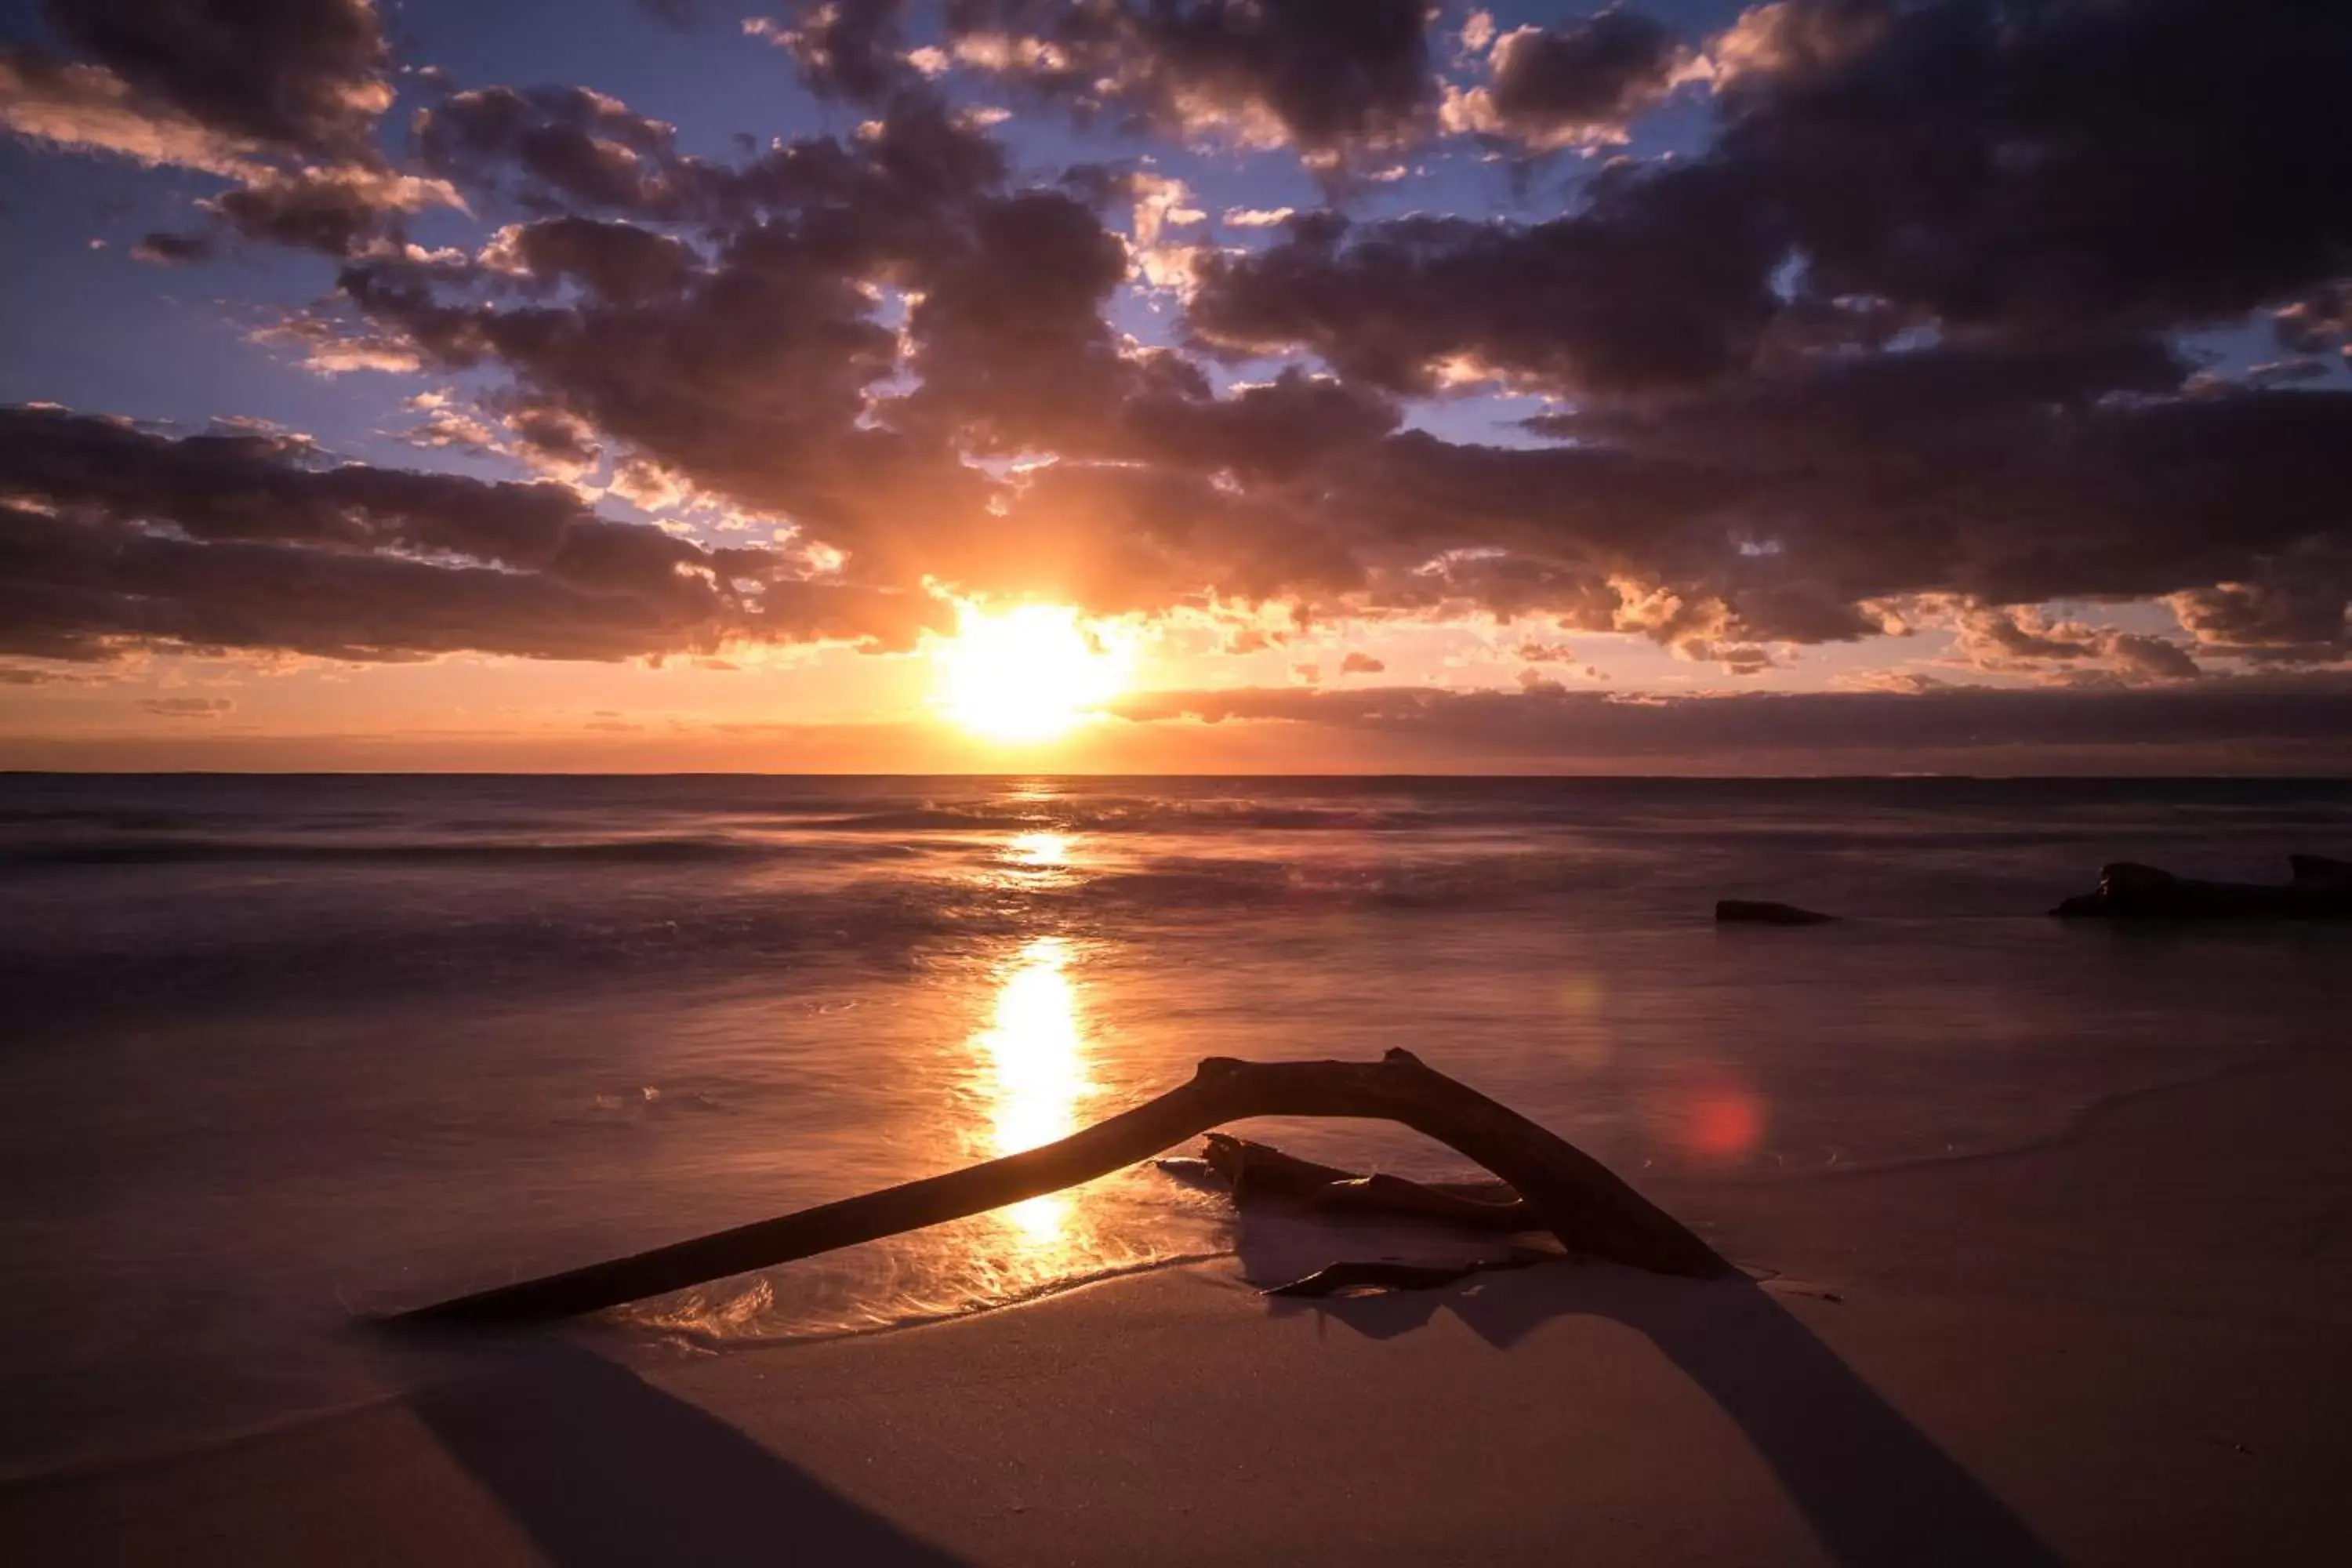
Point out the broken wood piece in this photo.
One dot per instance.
(1590, 1210)
(1259, 1171)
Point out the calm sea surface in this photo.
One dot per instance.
(276, 1053)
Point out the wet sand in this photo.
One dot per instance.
(2130, 1346)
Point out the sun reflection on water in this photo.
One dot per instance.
(1036, 1051)
(1038, 850)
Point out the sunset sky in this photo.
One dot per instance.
(1826, 385)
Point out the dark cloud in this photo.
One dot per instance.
(1789, 509)
(281, 95)
(557, 145)
(188, 707)
(2059, 168)
(1360, 663)
(2027, 641)
(304, 76)
(854, 49)
(1578, 83)
(339, 212)
(1664, 279)
(115, 538)
(1010, 335)
(2319, 322)
(1270, 431)
(1331, 77)
(2295, 614)
(168, 249)
(1543, 721)
(755, 361)
(210, 84)
(2047, 167)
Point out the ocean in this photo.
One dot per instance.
(280, 1053)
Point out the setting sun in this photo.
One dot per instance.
(1025, 674)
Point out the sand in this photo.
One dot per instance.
(2130, 1346)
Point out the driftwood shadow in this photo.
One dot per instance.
(599, 1468)
(1873, 1488)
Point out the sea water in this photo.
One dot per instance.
(280, 1053)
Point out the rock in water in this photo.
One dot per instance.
(1748, 912)
(2321, 872)
(2322, 890)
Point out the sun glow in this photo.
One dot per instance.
(1027, 674)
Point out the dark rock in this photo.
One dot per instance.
(2320, 889)
(1745, 911)
(2321, 872)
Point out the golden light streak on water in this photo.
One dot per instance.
(1035, 1049)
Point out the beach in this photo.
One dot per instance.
(2129, 1344)
(2040, 1214)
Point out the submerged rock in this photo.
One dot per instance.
(2320, 873)
(1748, 911)
(2320, 889)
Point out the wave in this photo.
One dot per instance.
(195, 850)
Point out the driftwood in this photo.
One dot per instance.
(1565, 1191)
(1259, 1172)
(2318, 889)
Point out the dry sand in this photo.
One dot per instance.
(2128, 1347)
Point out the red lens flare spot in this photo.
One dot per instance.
(1722, 1126)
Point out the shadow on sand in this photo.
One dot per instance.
(1873, 1488)
(598, 1467)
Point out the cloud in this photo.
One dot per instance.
(167, 249)
(1901, 348)
(1333, 81)
(1359, 663)
(2026, 640)
(90, 108)
(2290, 617)
(115, 538)
(854, 49)
(205, 83)
(339, 211)
(2095, 169)
(1664, 280)
(2080, 165)
(1580, 83)
(1541, 721)
(188, 707)
(283, 99)
(560, 146)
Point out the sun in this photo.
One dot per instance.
(1027, 674)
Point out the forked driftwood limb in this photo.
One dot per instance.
(1566, 1191)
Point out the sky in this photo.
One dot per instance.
(1176, 386)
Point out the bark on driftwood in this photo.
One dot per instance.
(1566, 1191)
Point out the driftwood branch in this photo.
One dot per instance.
(1565, 1191)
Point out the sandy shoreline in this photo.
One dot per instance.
(2130, 1346)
